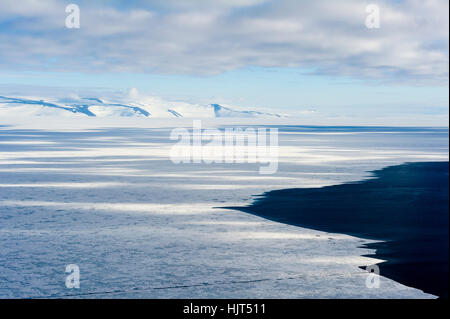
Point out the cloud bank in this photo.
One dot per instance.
(202, 37)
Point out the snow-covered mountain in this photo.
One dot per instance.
(130, 106)
(222, 111)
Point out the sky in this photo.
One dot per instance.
(289, 56)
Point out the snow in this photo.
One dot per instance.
(222, 111)
(116, 106)
(108, 198)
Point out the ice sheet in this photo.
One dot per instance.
(110, 200)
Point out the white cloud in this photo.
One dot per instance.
(133, 94)
(203, 37)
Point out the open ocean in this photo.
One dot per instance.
(406, 206)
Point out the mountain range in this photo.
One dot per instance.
(128, 107)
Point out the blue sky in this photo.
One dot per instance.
(288, 56)
(286, 90)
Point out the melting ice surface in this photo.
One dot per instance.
(139, 226)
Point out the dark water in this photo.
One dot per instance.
(406, 206)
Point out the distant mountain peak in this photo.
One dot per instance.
(117, 107)
(222, 111)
